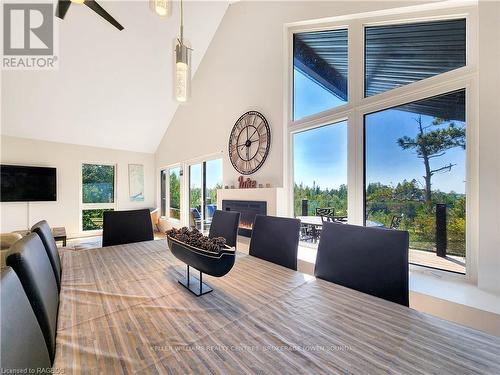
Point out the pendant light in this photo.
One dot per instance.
(161, 7)
(182, 78)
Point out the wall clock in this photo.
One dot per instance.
(249, 142)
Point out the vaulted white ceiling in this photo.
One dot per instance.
(113, 88)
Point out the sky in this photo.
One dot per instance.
(320, 154)
(213, 174)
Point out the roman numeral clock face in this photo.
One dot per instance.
(249, 142)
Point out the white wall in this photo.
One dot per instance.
(489, 146)
(67, 159)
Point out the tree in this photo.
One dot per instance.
(431, 143)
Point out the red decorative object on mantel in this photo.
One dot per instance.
(246, 184)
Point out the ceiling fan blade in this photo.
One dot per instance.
(62, 8)
(100, 11)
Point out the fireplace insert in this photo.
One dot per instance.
(247, 210)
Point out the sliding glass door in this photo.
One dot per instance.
(204, 180)
(195, 196)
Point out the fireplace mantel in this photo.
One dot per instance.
(275, 198)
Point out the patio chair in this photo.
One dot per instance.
(211, 208)
(306, 233)
(328, 215)
(194, 218)
(396, 221)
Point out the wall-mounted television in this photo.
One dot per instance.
(27, 184)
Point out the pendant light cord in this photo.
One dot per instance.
(182, 24)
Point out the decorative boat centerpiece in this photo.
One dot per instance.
(208, 255)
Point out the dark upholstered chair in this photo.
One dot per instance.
(122, 227)
(370, 260)
(225, 224)
(31, 263)
(23, 345)
(276, 239)
(45, 233)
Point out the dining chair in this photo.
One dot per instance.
(23, 345)
(123, 227)
(275, 239)
(370, 260)
(31, 264)
(45, 233)
(225, 224)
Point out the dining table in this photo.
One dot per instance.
(122, 311)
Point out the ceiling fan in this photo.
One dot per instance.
(63, 6)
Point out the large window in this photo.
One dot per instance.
(396, 55)
(415, 176)
(98, 194)
(319, 72)
(320, 170)
(204, 180)
(396, 160)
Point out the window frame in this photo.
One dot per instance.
(337, 108)
(167, 192)
(202, 161)
(358, 106)
(96, 206)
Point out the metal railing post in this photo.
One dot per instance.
(441, 235)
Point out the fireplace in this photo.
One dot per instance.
(247, 210)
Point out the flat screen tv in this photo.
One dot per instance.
(27, 184)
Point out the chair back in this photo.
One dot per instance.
(196, 214)
(122, 227)
(396, 222)
(326, 214)
(45, 233)
(276, 239)
(23, 345)
(211, 208)
(326, 211)
(31, 264)
(370, 260)
(225, 224)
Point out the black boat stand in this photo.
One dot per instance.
(194, 285)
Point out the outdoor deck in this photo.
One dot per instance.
(417, 257)
(429, 259)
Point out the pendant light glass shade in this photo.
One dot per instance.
(161, 7)
(182, 79)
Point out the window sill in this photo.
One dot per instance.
(430, 283)
(453, 289)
